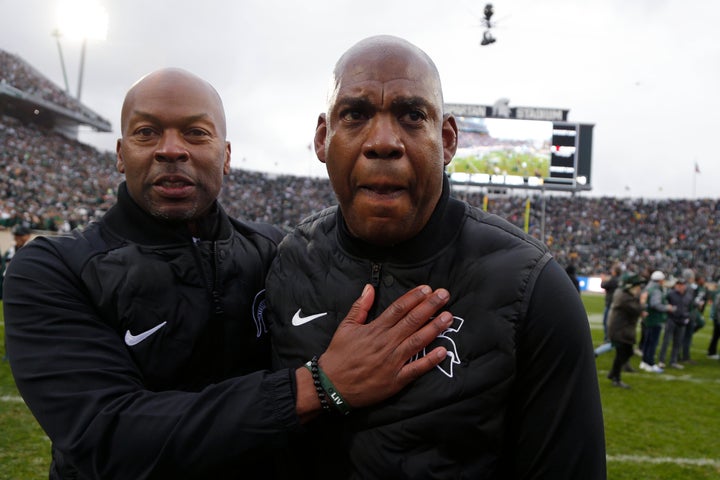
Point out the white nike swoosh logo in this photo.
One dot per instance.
(298, 320)
(131, 340)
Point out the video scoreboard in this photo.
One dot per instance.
(520, 147)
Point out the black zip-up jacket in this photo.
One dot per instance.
(517, 396)
(143, 352)
(681, 302)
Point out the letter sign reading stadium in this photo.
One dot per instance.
(520, 147)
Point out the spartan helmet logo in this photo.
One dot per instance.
(258, 311)
(445, 339)
(501, 108)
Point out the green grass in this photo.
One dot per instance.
(24, 448)
(665, 428)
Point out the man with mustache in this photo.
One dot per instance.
(140, 343)
(517, 396)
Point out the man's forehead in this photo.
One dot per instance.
(381, 66)
(383, 72)
(388, 92)
(396, 87)
(179, 97)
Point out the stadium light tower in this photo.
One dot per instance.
(81, 19)
(56, 33)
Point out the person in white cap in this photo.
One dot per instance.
(657, 309)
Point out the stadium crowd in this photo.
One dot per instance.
(53, 183)
(17, 73)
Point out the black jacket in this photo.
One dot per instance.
(623, 317)
(142, 352)
(681, 302)
(517, 397)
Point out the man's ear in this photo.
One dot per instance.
(449, 137)
(320, 134)
(119, 162)
(226, 164)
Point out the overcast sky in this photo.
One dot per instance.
(645, 72)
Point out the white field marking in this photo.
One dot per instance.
(11, 398)
(701, 462)
(595, 321)
(670, 378)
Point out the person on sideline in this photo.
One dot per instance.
(140, 343)
(677, 321)
(696, 292)
(517, 396)
(657, 309)
(609, 283)
(715, 318)
(21, 236)
(625, 311)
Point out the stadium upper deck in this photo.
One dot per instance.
(54, 183)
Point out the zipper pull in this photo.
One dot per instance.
(375, 274)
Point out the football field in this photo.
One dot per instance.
(666, 427)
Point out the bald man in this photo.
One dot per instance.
(517, 396)
(139, 344)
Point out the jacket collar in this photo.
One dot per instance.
(126, 219)
(444, 224)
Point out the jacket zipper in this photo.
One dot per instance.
(375, 274)
(217, 299)
(217, 307)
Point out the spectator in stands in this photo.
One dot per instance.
(517, 396)
(139, 343)
(18, 74)
(56, 183)
(657, 309)
(625, 312)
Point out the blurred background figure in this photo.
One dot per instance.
(715, 318)
(696, 294)
(657, 311)
(677, 322)
(609, 283)
(572, 273)
(625, 311)
(21, 235)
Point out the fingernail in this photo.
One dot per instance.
(425, 289)
(365, 291)
(441, 354)
(443, 294)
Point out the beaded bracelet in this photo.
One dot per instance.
(325, 389)
(312, 365)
